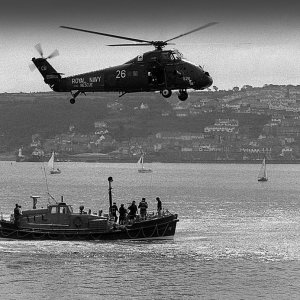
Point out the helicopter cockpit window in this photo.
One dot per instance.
(166, 56)
(177, 55)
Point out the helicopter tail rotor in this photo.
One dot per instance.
(53, 54)
(32, 67)
(39, 49)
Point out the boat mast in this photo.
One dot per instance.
(110, 179)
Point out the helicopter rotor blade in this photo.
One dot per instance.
(39, 49)
(53, 54)
(107, 34)
(140, 44)
(194, 30)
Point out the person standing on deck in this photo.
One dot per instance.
(159, 206)
(132, 211)
(114, 210)
(122, 214)
(17, 214)
(143, 208)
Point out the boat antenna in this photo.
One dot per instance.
(46, 181)
(110, 180)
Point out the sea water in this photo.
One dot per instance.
(236, 239)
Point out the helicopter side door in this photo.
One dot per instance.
(175, 76)
(166, 71)
(155, 74)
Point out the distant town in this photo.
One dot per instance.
(244, 124)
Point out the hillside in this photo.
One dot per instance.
(51, 114)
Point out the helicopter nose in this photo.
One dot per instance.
(207, 80)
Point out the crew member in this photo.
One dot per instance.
(132, 211)
(122, 214)
(17, 214)
(143, 208)
(114, 210)
(159, 206)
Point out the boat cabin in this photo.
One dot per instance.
(59, 215)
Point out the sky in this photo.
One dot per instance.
(254, 42)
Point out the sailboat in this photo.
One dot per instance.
(20, 156)
(51, 165)
(262, 175)
(141, 163)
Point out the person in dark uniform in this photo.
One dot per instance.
(17, 214)
(159, 206)
(143, 208)
(114, 210)
(122, 214)
(132, 211)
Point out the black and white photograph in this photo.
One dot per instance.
(149, 150)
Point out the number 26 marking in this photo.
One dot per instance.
(121, 74)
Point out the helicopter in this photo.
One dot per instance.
(158, 70)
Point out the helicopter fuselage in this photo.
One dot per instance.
(158, 70)
(145, 73)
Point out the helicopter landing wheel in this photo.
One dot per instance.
(72, 100)
(166, 93)
(183, 95)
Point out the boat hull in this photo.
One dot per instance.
(158, 228)
(55, 172)
(262, 179)
(145, 171)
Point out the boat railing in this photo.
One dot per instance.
(12, 218)
(153, 215)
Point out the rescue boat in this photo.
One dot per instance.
(58, 221)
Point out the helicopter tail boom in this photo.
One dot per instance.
(50, 75)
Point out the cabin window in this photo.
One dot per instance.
(53, 210)
(62, 210)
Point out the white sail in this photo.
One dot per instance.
(141, 163)
(51, 165)
(51, 162)
(262, 175)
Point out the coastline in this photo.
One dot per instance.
(103, 158)
(127, 161)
